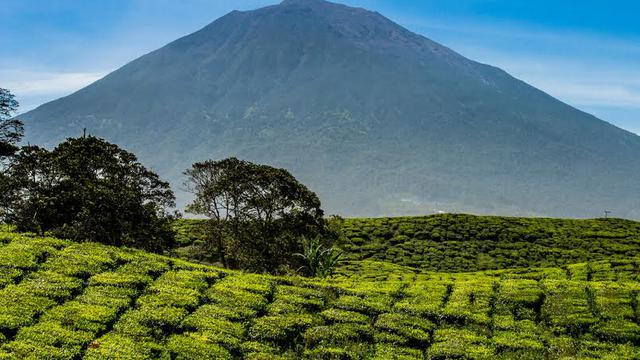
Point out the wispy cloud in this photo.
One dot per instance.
(25, 82)
(578, 82)
(34, 87)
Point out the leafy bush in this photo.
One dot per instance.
(126, 304)
(194, 347)
(281, 328)
(457, 242)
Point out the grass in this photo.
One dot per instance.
(65, 300)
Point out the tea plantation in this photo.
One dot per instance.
(453, 242)
(65, 300)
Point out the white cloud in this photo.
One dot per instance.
(579, 82)
(35, 87)
(36, 83)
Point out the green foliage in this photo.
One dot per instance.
(87, 189)
(370, 304)
(195, 347)
(257, 213)
(344, 316)
(453, 242)
(319, 261)
(281, 328)
(11, 130)
(415, 330)
(91, 301)
(338, 334)
(460, 343)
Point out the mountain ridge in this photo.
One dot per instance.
(378, 120)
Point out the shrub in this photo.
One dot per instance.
(194, 346)
(416, 330)
(319, 261)
(370, 305)
(619, 330)
(150, 321)
(236, 298)
(338, 334)
(459, 343)
(344, 316)
(281, 328)
(54, 334)
(119, 346)
(81, 316)
(197, 321)
(222, 311)
(110, 296)
(387, 351)
(120, 279)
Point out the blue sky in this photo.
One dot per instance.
(586, 53)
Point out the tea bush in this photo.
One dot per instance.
(63, 300)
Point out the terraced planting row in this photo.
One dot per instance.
(63, 300)
(616, 270)
(451, 242)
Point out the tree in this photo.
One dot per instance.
(11, 130)
(87, 189)
(257, 213)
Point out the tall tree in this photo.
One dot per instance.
(11, 130)
(257, 213)
(87, 189)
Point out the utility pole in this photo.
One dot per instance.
(606, 213)
(84, 133)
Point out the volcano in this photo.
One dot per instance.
(374, 118)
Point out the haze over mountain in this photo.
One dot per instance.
(376, 119)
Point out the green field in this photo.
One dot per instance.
(471, 243)
(65, 300)
(456, 243)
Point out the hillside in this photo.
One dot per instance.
(376, 119)
(64, 300)
(458, 242)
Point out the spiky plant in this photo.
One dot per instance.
(319, 260)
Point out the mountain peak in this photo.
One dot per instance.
(347, 100)
(303, 2)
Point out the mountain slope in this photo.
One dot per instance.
(376, 119)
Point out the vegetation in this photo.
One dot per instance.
(66, 300)
(319, 260)
(453, 242)
(436, 287)
(11, 130)
(257, 214)
(456, 242)
(87, 189)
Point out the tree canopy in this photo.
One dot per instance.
(11, 130)
(87, 189)
(257, 213)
